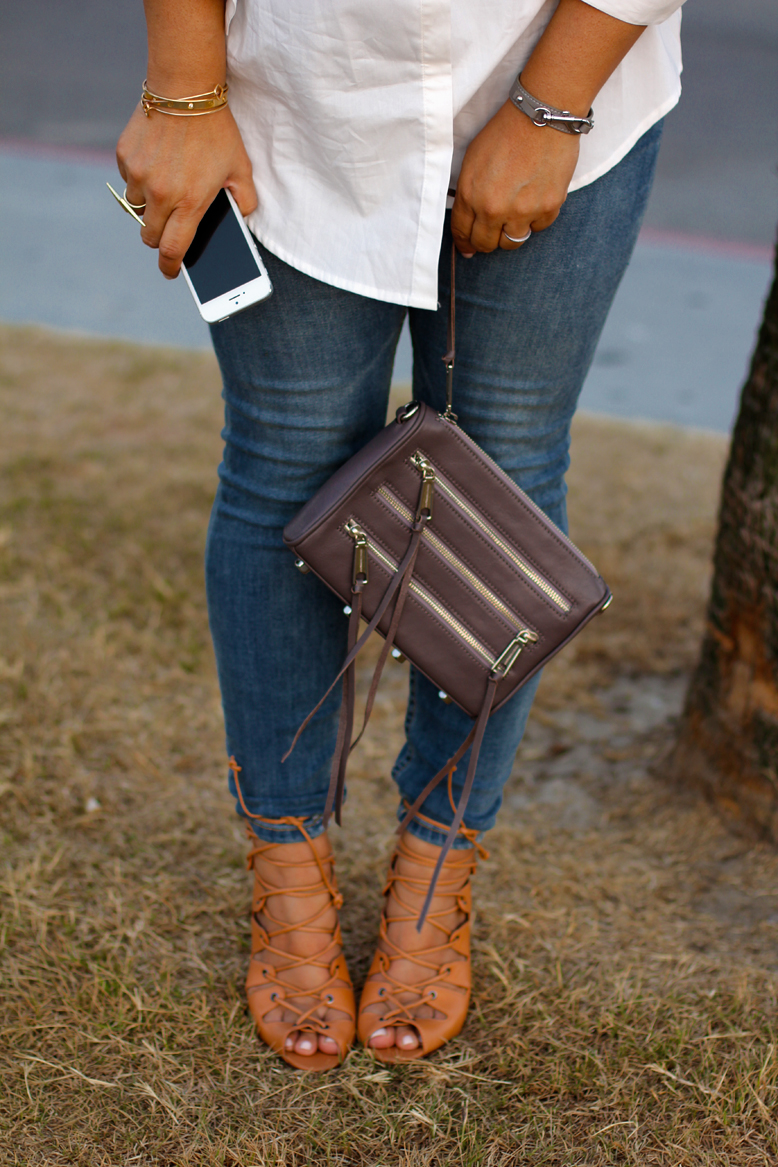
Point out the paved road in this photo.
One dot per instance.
(678, 340)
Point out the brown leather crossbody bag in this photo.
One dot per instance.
(423, 536)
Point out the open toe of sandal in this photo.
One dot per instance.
(267, 995)
(380, 1007)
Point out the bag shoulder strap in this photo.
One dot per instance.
(450, 354)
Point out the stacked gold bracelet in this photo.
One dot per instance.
(185, 107)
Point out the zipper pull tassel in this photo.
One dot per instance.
(424, 508)
(360, 573)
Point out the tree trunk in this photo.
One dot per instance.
(728, 740)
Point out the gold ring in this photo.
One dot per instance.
(121, 200)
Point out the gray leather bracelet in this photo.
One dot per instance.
(541, 114)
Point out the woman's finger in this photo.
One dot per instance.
(485, 235)
(241, 187)
(462, 219)
(178, 232)
(545, 220)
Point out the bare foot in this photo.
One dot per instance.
(404, 903)
(280, 915)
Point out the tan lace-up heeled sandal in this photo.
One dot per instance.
(388, 1001)
(267, 987)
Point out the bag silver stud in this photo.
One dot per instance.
(347, 610)
(444, 696)
(301, 566)
(398, 655)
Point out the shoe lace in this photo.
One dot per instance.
(452, 882)
(271, 929)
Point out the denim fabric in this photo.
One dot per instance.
(306, 380)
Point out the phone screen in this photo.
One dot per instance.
(219, 258)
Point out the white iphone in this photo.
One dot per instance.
(222, 265)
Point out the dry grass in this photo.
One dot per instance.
(625, 1005)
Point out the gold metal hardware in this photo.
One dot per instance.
(360, 561)
(453, 559)
(424, 509)
(454, 624)
(128, 207)
(359, 574)
(510, 654)
(448, 413)
(425, 497)
(301, 566)
(530, 573)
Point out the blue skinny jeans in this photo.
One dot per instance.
(306, 382)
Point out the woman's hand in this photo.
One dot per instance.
(514, 177)
(177, 166)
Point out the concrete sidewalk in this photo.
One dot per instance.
(675, 348)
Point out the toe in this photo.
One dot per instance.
(406, 1038)
(327, 1045)
(291, 1039)
(306, 1044)
(382, 1038)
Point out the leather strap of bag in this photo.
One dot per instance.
(474, 739)
(342, 747)
(346, 722)
(448, 358)
(387, 648)
(399, 582)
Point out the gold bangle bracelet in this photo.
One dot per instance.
(185, 107)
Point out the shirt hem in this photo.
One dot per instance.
(335, 281)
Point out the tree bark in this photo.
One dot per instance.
(728, 739)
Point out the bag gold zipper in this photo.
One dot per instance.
(462, 632)
(498, 540)
(453, 559)
(533, 506)
(502, 663)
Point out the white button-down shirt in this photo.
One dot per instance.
(356, 115)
